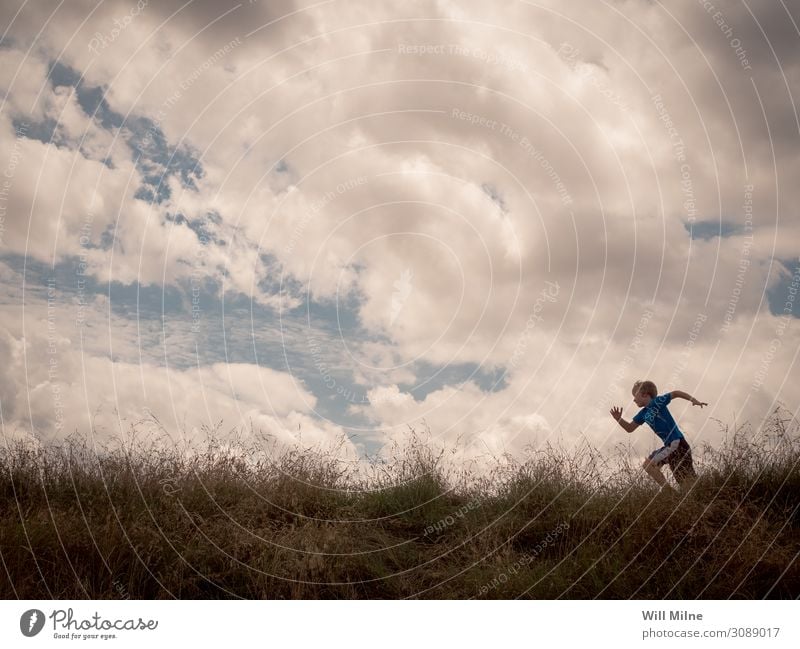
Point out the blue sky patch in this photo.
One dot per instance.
(434, 377)
(707, 230)
(127, 300)
(43, 131)
(786, 293)
(199, 226)
(156, 159)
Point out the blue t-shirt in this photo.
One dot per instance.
(660, 419)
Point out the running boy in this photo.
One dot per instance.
(676, 451)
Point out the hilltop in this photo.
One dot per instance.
(154, 523)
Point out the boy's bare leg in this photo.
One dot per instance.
(654, 472)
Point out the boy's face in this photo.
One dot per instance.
(641, 399)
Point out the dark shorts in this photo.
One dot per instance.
(678, 455)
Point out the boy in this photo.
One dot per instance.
(676, 451)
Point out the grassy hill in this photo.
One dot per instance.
(149, 523)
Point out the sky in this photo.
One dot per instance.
(335, 222)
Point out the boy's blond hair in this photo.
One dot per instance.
(648, 387)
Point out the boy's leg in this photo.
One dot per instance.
(682, 466)
(658, 458)
(654, 471)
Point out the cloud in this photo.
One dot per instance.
(417, 183)
(94, 379)
(109, 400)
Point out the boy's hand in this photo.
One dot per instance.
(616, 412)
(695, 402)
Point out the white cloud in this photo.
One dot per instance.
(58, 380)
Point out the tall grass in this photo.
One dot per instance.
(227, 520)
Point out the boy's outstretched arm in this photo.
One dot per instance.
(680, 394)
(630, 426)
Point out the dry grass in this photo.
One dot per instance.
(225, 521)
